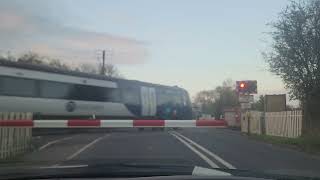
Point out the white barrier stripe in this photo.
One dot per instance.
(116, 123)
(50, 123)
(180, 123)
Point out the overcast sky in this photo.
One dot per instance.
(192, 44)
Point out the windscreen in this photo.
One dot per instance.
(150, 88)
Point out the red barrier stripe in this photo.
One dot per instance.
(91, 123)
(148, 123)
(16, 123)
(210, 123)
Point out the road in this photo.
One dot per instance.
(206, 147)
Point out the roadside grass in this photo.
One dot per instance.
(308, 143)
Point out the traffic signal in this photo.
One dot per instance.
(246, 87)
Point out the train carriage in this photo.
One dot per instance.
(52, 93)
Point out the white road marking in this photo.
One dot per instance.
(202, 156)
(54, 142)
(84, 148)
(225, 163)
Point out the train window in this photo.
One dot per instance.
(162, 97)
(185, 98)
(54, 90)
(131, 96)
(1, 85)
(77, 92)
(167, 96)
(90, 93)
(18, 87)
(178, 98)
(114, 95)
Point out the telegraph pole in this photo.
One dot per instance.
(106, 53)
(103, 68)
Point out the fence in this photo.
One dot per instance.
(284, 124)
(14, 140)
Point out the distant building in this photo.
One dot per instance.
(233, 117)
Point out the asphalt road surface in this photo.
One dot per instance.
(206, 147)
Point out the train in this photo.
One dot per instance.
(53, 93)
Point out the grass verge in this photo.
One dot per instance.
(308, 143)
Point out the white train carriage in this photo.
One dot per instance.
(54, 93)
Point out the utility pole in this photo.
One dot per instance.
(106, 53)
(103, 68)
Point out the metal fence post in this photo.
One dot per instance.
(263, 123)
(249, 124)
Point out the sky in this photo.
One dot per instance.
(192, 44)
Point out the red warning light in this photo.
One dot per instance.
(247, 87)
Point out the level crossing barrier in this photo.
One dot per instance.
(97, 123)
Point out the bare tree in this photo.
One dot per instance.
(58, 64)
(31, 58)
(88, 68)
(110, 71)
(214, 101)
(259, 105)
(34, 58)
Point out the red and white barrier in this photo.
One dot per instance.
(95, 123)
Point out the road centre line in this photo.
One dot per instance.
(85, 147)
(225, 163)
(53, 142)
(202, 156)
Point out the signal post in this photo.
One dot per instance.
(245, 90)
